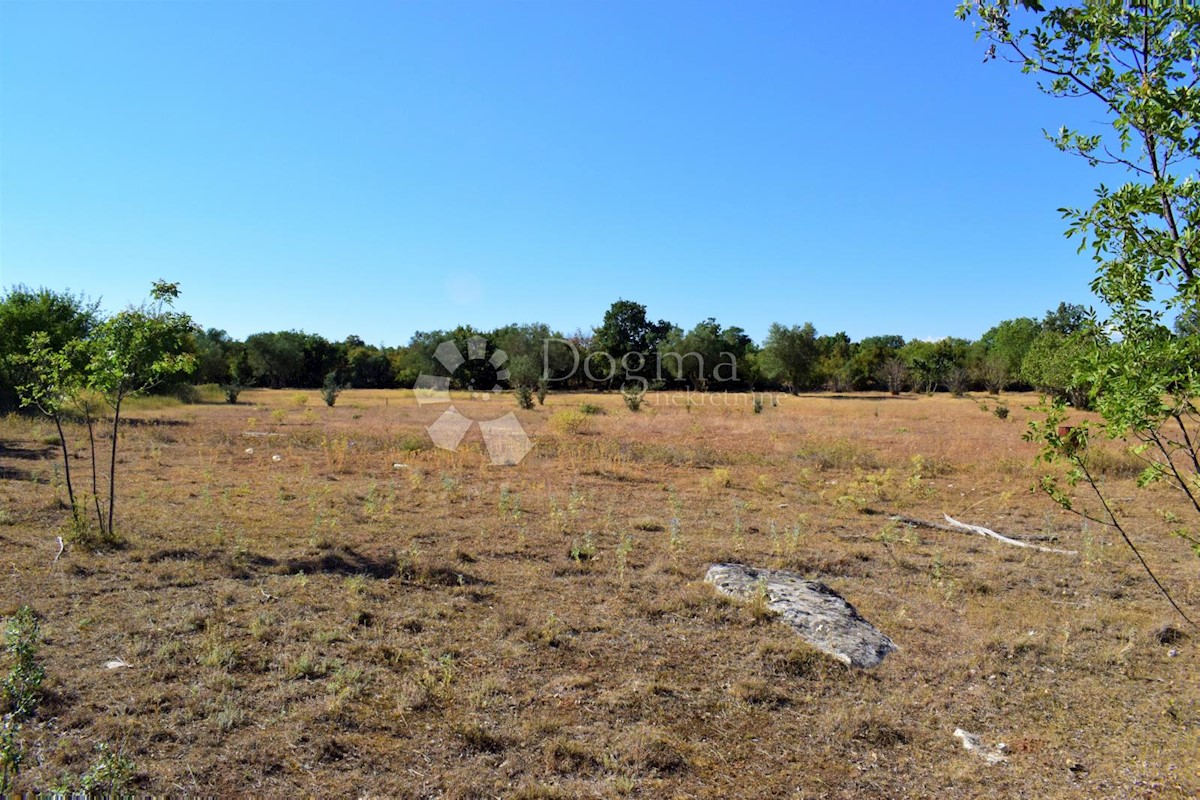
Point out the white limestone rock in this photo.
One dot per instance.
(812, 609)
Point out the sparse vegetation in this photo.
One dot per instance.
(328, 606)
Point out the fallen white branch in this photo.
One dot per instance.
(956, 526)
(982, 531)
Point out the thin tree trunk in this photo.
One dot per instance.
(87, 415)
(112, 467)
(62, 440)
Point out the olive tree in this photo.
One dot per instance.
(1137, 66)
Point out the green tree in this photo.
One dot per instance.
(62, 317)
(934, 364)
(1052, 365)
(52, 380)
(706, 356)
(789, 356)
(127, 353)
(131, 352)
(867, 361)
(276, 358)
(238, 374)
(212, 349)
(833, 362)
(1068, 318)
(1135, 64)
(630, 339)
(998, 354)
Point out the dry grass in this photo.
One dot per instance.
(331, 623)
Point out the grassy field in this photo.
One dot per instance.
(367, 615)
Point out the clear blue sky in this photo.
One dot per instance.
(378, 168)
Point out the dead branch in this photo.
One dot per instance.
(955, 526)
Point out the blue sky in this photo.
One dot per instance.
(377, 168)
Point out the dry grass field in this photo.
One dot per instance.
(370, 616)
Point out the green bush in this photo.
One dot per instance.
(331, 388)
(22, 686)
(633, 398)
(524, 397)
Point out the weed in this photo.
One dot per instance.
(81, 532)
(622, 554)
(1001, 411)
(759, 601)
(410, 444)
(583, 549)
(510, 503)
(11, 754)
(262, 627)
(336, 450)
(356, 585)
(676, 538)
(633, 398)
(569, 422)
(110, 776)
(345, 685)
(719, 478)
(758, 405)
(230, 716)
(305, 666)
(437, 677)
(590, 409)
(22, 686)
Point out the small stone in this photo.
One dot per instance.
(249, 451)
(973, 744)
(277, 458)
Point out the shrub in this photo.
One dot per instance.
(23, 684)
(110, 776)
(758, 405)
(11, 754)
(569, 422)
(524, 397)
(1001, 411)
(590, 409)
(543, 387)
(331, 388)
(633, 398)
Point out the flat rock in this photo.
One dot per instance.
(812, 609)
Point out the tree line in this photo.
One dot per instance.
(627, 347)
